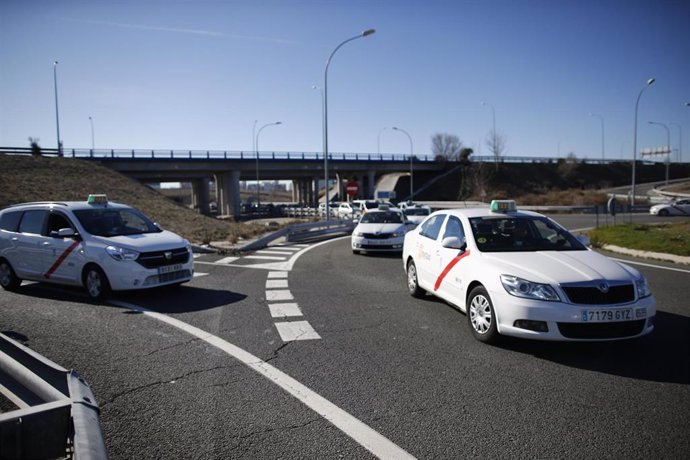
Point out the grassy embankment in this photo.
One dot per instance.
(29, 178)
(671, 238)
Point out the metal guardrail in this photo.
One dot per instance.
(57, 414)
(102, 154)
(304, 232)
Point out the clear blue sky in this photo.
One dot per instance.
(185, 74)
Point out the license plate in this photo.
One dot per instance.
(169, 269)
(602, 316)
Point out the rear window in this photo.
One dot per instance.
(10, 220)
(32, 222)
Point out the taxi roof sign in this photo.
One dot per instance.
(97, 199)
(503, 206)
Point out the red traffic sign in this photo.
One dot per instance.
(352, 188)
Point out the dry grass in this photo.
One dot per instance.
(27, 178)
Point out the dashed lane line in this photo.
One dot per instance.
(276, 284)
(297, 330)
(278, 295)
(360, 432)
(284, 310)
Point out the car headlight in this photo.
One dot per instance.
(398, 234)
(119, 253)
(359, 234)
(188, 245)
(642, 288)
(527, 289)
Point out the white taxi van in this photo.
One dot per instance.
(96, 244)
(519, 273)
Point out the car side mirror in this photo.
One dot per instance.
(64, 233)
(453, 242)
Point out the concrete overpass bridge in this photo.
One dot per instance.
(227, 169)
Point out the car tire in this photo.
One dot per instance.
(663, 212)
(96, 283)
(413, 282)
(481, 316)
(8, 278)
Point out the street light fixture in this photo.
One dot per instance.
(93, 143)
(603, 152)
(637, 104)
(256, 144)
(57, 116)
(668, 144)
(411, 155)
(325, 108)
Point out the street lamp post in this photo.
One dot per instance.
(93, 142)
(411, 155)
(637, 104)
(668, 144)
(256, 145)
(378, 141)
(57, 116)
(493, 132)
(603, 152)
(680, 141)
(325, 109)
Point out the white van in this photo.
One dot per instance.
(96, 244)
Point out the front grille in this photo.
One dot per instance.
(616, 330)
(590, 295)
(377, 236)
(379, 246)
(167, 277)
(158, 259)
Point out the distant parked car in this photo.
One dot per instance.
(674, 208)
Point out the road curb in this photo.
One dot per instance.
(684, 260)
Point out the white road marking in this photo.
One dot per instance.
(275, 253)
(272, 296)
(272, 275)
(287, 265)
(361, 433)
(265, 257)
(227, 260)
(625, 261)
(283, 310)
(197, 274)
(296, 330)
(274, 284)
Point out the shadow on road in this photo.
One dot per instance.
(166, 299)
(180, 299)
(659, 357)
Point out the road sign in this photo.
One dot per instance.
(352, 188)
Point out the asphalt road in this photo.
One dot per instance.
(408, 369)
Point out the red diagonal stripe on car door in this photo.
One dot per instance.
(445, 271)
(61, 259)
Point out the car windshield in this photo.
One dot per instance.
(417, 212)
(115, 222)
(384, 217)
(511, 234)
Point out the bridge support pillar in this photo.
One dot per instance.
(200, 191)
(228, 192)
(371, 183)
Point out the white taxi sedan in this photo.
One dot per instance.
(521, 274)
(380, 230)
(99, 245)
(673, 208)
